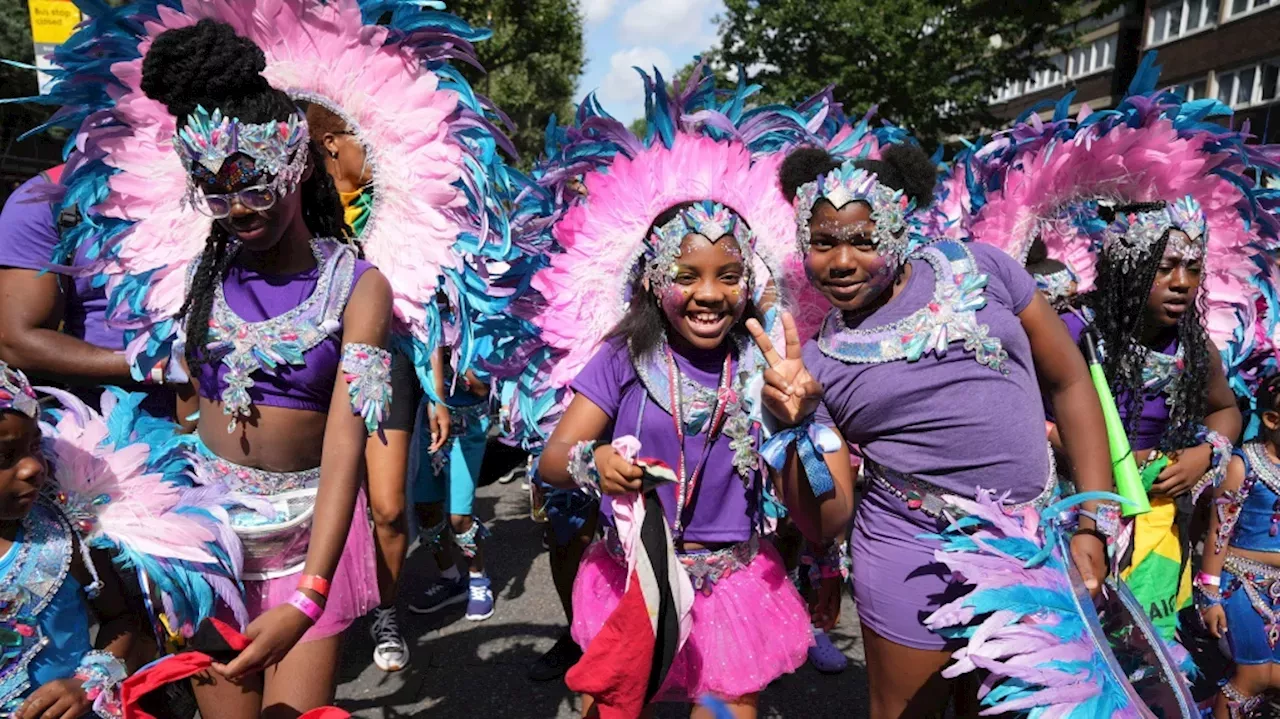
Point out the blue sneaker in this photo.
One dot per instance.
(480, 599)
(824, 656)
(443, 593)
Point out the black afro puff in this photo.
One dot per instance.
(209, 65)
(901, 167)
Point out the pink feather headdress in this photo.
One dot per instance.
(430, 145)
(1044, 179)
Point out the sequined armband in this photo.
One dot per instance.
(101, 674)
(368, 373)
(1217, 467)
(1228, 508)
(834, 562)
(582, 465)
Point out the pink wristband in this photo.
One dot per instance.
(304, 604)
(1207, 580)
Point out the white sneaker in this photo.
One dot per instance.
(390, 652)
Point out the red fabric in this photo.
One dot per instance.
(54, 174)
(222, 639)
(614, 671)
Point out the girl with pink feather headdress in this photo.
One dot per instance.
(935, 422)
(90, 498)
(652, 278)
(54, 586)
(219, 229)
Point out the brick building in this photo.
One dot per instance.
(1228, 49)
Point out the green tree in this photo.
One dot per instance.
(930, 65)
(15, 45)
(532, 62)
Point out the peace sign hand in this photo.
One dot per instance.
(790, 393)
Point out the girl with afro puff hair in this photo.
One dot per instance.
(274, 282)
(931, 361)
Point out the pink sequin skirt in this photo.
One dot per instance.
(353, 591)
(751, 628)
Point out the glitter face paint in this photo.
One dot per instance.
(709, 291)
(845, 262)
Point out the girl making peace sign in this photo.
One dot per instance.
(932, 361)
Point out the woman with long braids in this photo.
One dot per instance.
(1169, 383)
(285, 341)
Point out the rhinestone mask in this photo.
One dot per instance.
(1132, 236)
(847, 183)
(276, 148)
(707, 218)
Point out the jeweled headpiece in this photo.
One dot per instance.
(16, 393)
(1056, 286)
(710, 219)
(849, 183)
(1131, 236)
(277, 148)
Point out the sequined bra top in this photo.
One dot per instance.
(274, 340)
(1258, 526)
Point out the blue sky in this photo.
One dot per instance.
(646, 33)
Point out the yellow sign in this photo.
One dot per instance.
(53, 21)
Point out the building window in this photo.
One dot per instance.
(1042, 79)
(1249, 86)
(1181, 17)
(1094, 57)
(1193, 89)
(1242, 7)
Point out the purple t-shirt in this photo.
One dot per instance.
(949, 420)
(723, 509)
(27, 238)
(1154, 419)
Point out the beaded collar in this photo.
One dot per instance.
(951, 316)
(698, 404)
(247, 347)
(1264, 470)
(1160, 371)
(40, 566)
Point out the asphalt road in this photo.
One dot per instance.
(476, 670)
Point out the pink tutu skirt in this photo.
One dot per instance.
(353, 592)
(752, 628)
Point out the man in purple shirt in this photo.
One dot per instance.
(52, 323)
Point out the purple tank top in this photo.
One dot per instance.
(255, 297)
(1154, 418)
(724, 509)
(949, 420)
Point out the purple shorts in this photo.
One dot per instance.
(896, 581)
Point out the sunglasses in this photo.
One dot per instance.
(258, 198)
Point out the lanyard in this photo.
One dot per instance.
(688, 483)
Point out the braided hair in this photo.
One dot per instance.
(209, 65)
(1119, 306)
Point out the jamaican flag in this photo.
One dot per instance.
(1156, 572)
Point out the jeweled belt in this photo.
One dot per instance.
(273, 518)
(1261, 584)
(925, 496)
(705, 567)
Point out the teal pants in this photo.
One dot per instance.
(455, 482)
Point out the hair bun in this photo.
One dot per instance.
(202, 65)
(916, 172)
(802, 166)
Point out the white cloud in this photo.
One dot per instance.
(594, 11)
(668, 21)
(622, 90)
